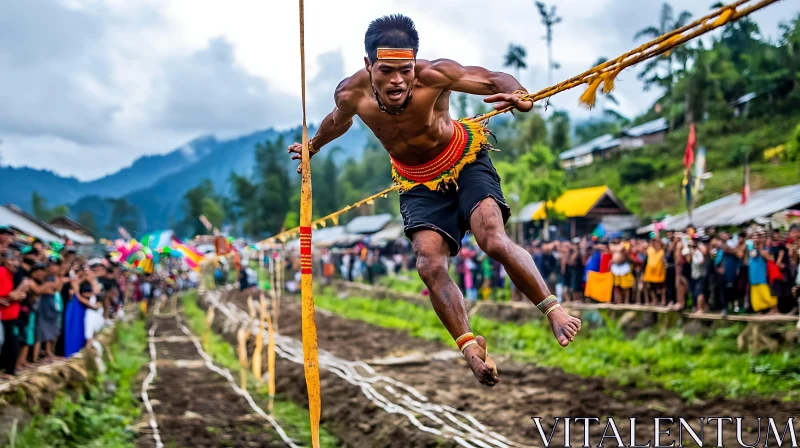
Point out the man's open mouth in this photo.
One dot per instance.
(394, 94)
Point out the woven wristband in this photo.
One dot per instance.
(546, 302)
(558, 305)
(464, 340)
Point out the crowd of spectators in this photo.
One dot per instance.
(748, 270)
(53, 300)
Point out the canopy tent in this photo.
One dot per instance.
(729, 211)
(12, 216)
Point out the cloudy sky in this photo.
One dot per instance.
(88, 86)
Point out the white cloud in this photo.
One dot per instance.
(90, 85)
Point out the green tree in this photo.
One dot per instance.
(660, 70)
(515, 58)
(193, 207)
(325, 179)
(123, 214)
(536, 176)
(40, 209)
(549, 20)
(274, 185)
(244, 203)
(213, 212)
(86, 219)
(559, 131)
(590, 130)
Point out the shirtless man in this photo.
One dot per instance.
(621, 269)
(448, 183)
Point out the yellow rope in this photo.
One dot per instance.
(604, 74)
(607, 71)
(309, 325)
(333, 217)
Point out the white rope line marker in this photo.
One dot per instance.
(146, 385)
(467, 431)
(225, 373)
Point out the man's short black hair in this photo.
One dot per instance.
(392, 31)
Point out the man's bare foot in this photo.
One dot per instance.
(481, 364)
(564, 326)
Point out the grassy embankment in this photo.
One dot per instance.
(102, 416)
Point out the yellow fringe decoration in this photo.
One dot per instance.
(608, 82)
(478, 134)
(588, 97)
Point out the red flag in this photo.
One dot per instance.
(688, 156)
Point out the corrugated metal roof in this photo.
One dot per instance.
(526, 214)
(728, 211)
(368, 224)
(75, 237)
(10, 218)
(390, 233)
(620, 223)
(651, 127)
(600, 143)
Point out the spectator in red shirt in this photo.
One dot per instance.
(10, 297)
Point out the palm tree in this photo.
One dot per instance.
(515, 58)
(549, 19)
(650, 74)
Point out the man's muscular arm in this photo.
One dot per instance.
(335, 124)
(450, 75)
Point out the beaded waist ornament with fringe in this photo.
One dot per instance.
(469, 138)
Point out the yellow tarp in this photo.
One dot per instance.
(573, 203)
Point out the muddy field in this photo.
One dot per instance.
(193, 406)
(525, 390)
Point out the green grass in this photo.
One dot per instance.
(700, 366)
(410, 283)
(97, 418)
(292, 418)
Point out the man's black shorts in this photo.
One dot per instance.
(448, 211)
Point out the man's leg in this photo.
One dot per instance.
(486, 222)
(432, 258)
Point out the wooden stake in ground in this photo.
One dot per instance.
(241, 338)
(259, 348)
(310, 351)
(275, 282)
(270, 359)
(207, 332)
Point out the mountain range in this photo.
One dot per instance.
(156, 184)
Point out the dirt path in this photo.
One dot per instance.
(193, 405)
(526, 390)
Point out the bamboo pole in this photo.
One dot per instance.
(310, 351)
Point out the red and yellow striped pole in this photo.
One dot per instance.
(310, 357)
